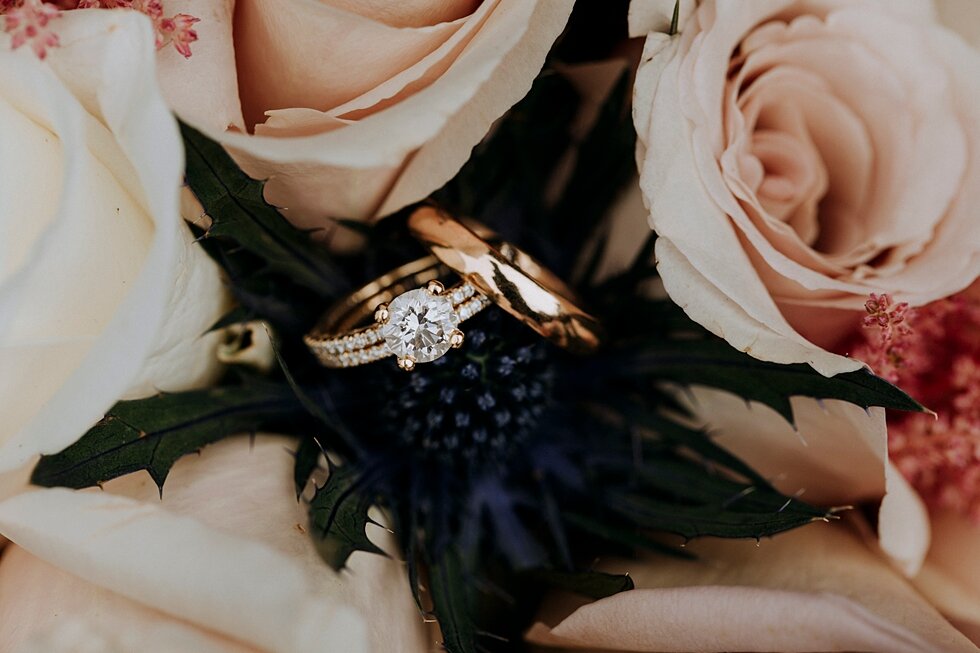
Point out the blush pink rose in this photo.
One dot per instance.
(797, 156)
(355, 108)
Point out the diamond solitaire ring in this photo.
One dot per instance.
(416, 318)
(415, 324)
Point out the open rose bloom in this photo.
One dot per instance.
(798, 156)
(355, 108)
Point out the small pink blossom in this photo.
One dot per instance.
(27, 20)
(933, 353)
(888, 352)
(180, 32)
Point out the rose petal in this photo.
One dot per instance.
(942, 140)
(904, 528)
(205, 86)
(393, 89)
(180, 567)
(334, 67)
(28, 186)
(185, 355)
(647, 16)
(962, 16)
(783, 247)
(951, 575)
(725, 284)
(94, 297)
(225, 550)
(951, 262)
(351, 171)
(409, 13)
(658, 51)
(815, 589)
(47, 610)
(707, 305)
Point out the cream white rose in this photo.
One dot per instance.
(355, 109)
(102, 292)
(798, 156)
(222, 563)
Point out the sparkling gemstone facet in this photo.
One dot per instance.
(419, 326)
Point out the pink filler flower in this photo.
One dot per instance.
(933, 353)
(30, 21)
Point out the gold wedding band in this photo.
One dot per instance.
(416, 318)
(512, 279)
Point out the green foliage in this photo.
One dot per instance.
(307, 460)
(152, 434)
(452, 599)
(593, 584)
(712, 362)
(275, 272)
(631, 538)
(724, 516)
(678, 481)
(239, 212)
(339, 516)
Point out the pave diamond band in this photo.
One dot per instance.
(369, 344)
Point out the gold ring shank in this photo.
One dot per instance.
(360, 304)
(339, 340)
(511, 278)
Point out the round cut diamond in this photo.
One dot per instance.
(419, 326)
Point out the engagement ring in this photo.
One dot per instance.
(415, 324)
(416, 318)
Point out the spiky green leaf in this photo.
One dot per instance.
(630, 537)
(452, 598)
(593, 584)
(152, 434)
(307, 460)
(717, 518)
(339, 516)
(672, 478)
(715, 364)
(239, 213)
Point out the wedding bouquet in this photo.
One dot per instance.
(489, 325)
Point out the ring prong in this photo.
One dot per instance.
(456, 339)
(381, 314)
(407, 364)
(435, 288)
